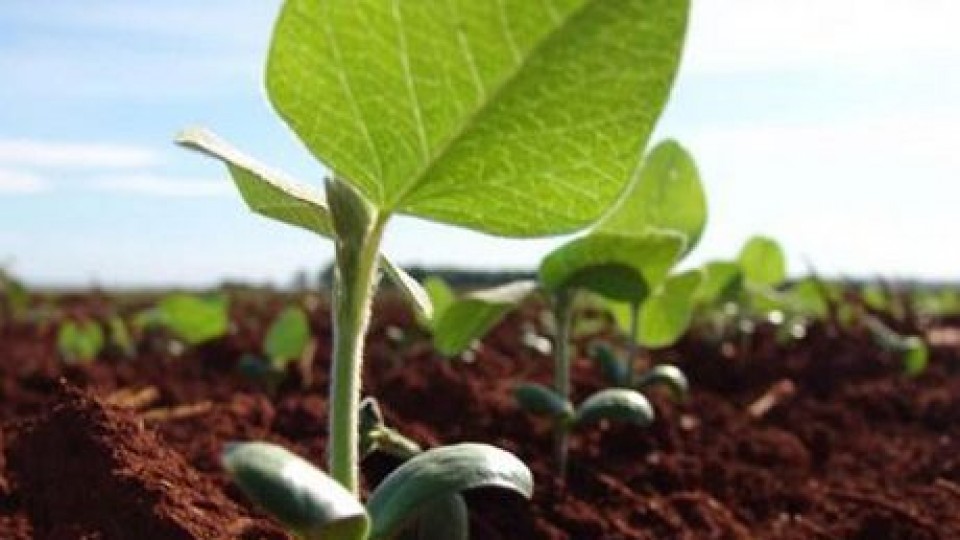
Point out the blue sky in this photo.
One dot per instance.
(831, 126)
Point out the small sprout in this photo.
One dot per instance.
(80, 341)
(120, 336)
(762, 262)
(916, 355)
(665, 375)
(913, 350)
(287, 337)
(193, 319)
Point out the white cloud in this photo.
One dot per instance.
(46, 154)
(18, 182)
(162, 186)
(736, 36)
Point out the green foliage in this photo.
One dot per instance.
(80, 341)
(120, 336)
(722, 282)
(458, 322)
(287, 337)
(534, 75)
(666, 314)
(912, 350)
(14, 297)
(762, 262)
(624, 268)
(665, 195)
(193, 319)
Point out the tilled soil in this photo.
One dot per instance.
(816, 438)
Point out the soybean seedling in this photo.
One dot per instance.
(287, 339)
(626, 257)
(80, 341)
(192, 319)
(14, 298)
(509, 129)
(912, 350)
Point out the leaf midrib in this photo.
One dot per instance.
(415, 181)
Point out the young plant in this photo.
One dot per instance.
(912, 350)
(287, 338)
(626, 258)
(80, 341)
(503, 121)
(193, 319)
(14, 298)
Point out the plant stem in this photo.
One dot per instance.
(359, 234)
(633, 348)
(563, 312)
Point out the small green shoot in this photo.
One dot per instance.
(912, 350)
(14, 298)
(193, 319)
(287, 337)
(80, 341)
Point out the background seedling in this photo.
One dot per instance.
(626, 258)
(527, 126)
(80, 341)
(287, 339)
(190, 318)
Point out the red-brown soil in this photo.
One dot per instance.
(856, 451)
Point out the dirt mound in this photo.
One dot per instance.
(86, 470)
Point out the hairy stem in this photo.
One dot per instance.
(563, 312)
(359, 233)
(633, 348)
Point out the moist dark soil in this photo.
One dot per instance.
(821, 437)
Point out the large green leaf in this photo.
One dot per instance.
(513, 117)
(295, 492)
(620, 267)
(762, 262)
(441, 472)
(273, 195)
(472, 316)
(665, 194)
